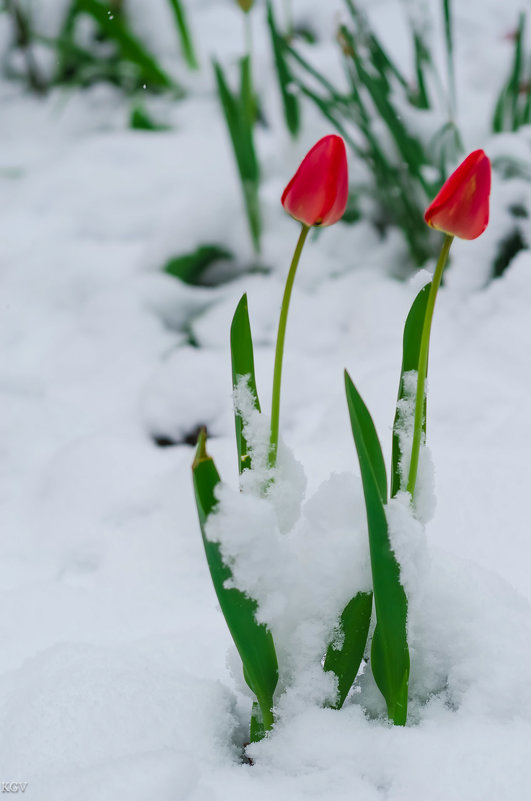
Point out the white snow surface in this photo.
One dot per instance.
(114, 677)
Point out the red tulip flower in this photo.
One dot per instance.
(462, 206)
(317, 194)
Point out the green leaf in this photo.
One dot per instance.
(285, 80)
(248, 100)
(253, 640)
(507, 113)
(410, 361)
(242, 358)
(345, 661)
(141, 121)
(236, 111)
(257, 730)
(365, 436)
(130, 47)
(190, 266)
(184, 34)
(422, 57)
(389, 654)
(448, 36)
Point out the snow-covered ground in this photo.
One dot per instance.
(114, 681)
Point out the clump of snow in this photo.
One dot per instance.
(301, 564)
(405, 423)
(285, 483)
(408, 542)
(302, 579)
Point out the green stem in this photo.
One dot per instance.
(423, 365)
(279, 352)
(249, 37)
(288, 20)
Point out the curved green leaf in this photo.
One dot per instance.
(253, 640)
(410, 361)
(354, 629)
(390, 654)
(365, 436)
(256, 729)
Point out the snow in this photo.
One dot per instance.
(117, 674)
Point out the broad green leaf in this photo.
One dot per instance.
(140, 120)
(189, 267)
(285, 80)
(242, 358)
(410, 361)
(345, 661)
(240, 128)
(253, 640)
(184, 34)
(365, 436)
(389, 654)
(257, 730)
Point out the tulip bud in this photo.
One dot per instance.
(461, 207)
(318, 192)
(245, 5)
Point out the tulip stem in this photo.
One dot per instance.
(279, 351)
(288, 19)
(423, 365)
(248, 35)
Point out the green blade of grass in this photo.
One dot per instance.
(409, 147)
(511, 91)
(248, 101)
(516, 77)
(449, 41)
(422, 57)
(296, 56)
(345, 661)
(241, 135)
(331, 117)
(253, 640)
(130, 47)
(499, 116)
(506, 112)
(410, 361)
(525, 116)
(285, 80)
(389, 653)
(380, 59)
(184, 34)
(242, 359)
